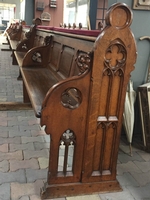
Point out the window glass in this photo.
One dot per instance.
(75, 11)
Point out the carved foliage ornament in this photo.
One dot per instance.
(47, 40)
(83, 62)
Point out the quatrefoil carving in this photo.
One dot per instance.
(36, 57)
(115, 56)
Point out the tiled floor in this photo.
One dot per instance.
(24, 150)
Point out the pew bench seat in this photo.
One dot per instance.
(44, 67)
(19, 57)
(13, 44)
(37, 81)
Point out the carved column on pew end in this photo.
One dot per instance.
(115, 50)
(94, 126)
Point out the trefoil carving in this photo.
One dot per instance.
(36, 57)
(71, 98)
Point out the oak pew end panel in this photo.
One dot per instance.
(15, 36)
(80, 101)
(19, 31)
(35, 38)
(31, 37)
(104, 120)
(18, 35)
(24, 43)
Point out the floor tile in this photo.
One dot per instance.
(90, 197)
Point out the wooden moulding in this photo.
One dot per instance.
(72, 189)
(14, 106)
(144, 95)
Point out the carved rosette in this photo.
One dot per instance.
(83, 62)
(115, 58)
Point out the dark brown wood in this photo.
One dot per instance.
(15, 41)
(52, 63)
(77, 86)
(36, 38)
(144, 99)
(25, 41)
(14, 106)
(80, 189)
(15, 32)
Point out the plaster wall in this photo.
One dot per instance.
(56, 13)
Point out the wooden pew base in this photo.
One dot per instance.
(5, 43)
(14, 106)
(73, 189)
(5, 49)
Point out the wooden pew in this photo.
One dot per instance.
(39, 38)
(22, 36)
(77, 86)
(31, 37)
(15, 33)
(49, 66)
